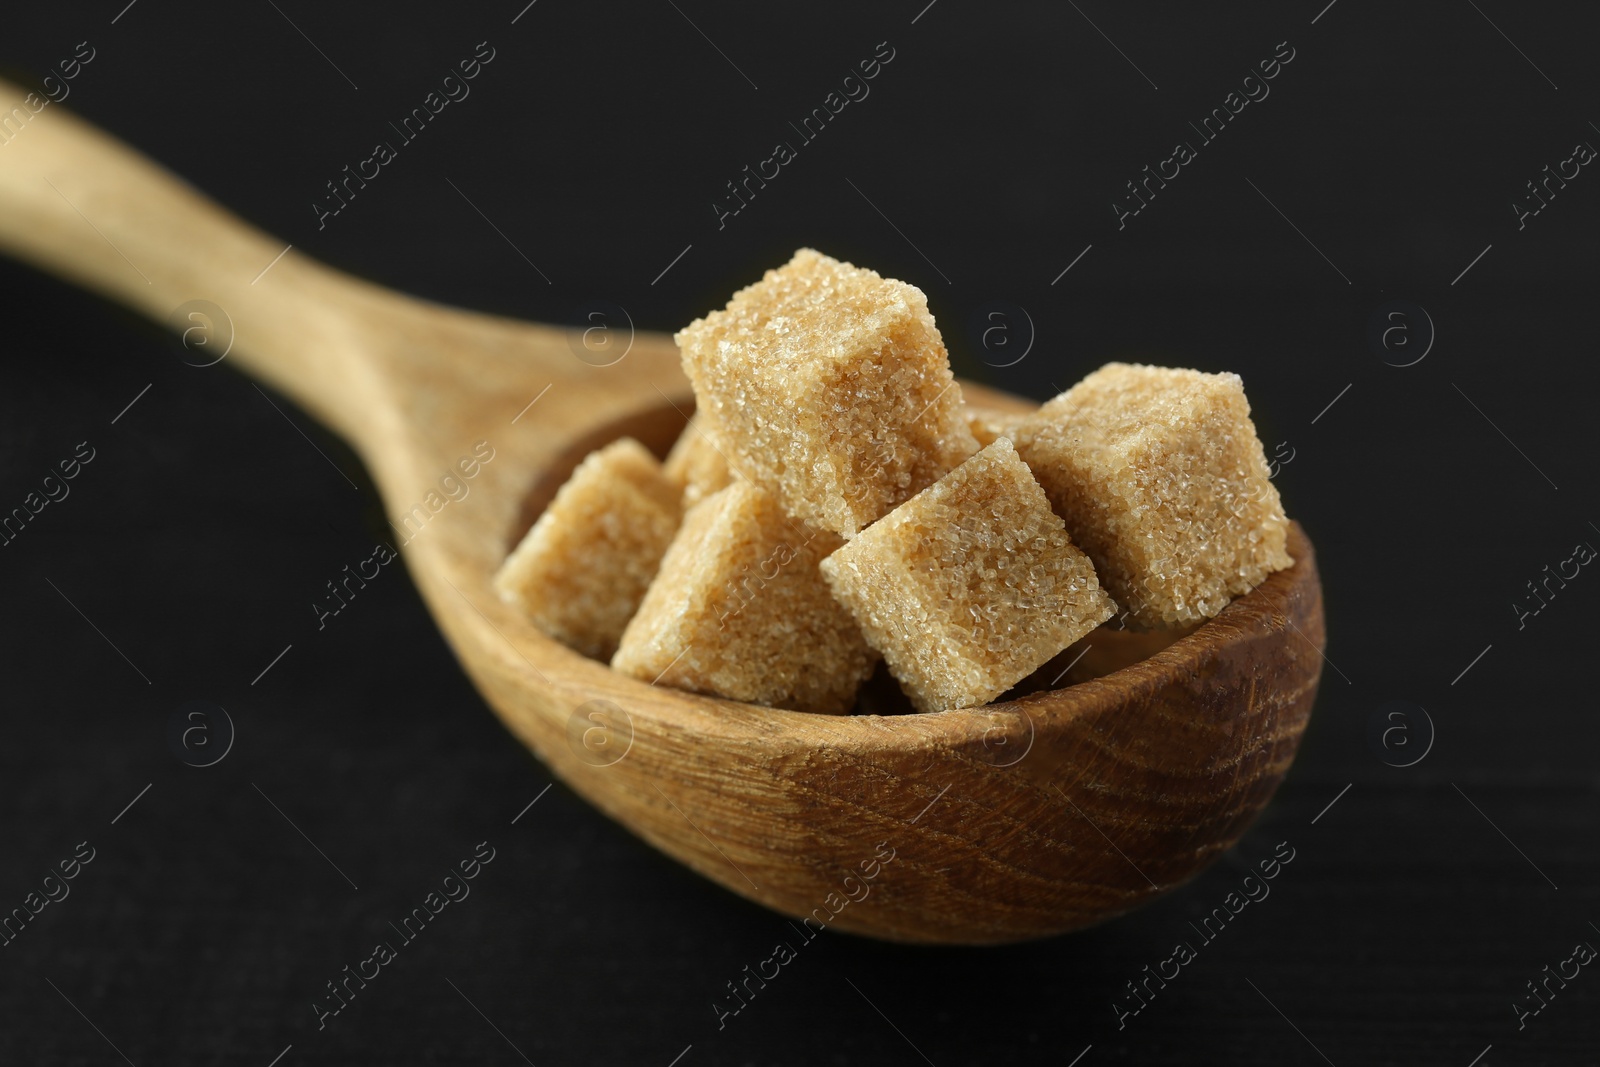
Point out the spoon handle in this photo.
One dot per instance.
(80, 204)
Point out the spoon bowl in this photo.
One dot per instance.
(1051, 811)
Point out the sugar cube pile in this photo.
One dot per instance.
(834, 501)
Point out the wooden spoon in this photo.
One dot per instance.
(1045, 813)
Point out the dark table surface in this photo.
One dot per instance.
(1385, 164)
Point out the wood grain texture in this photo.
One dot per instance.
(1030, 817)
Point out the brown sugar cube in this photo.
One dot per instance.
(695, 466)
(583, 568)
(969, 586)
(739, 610)
(1160, 477)
(828, 386)
(988, 425)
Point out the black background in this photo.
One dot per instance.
(597, 140)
